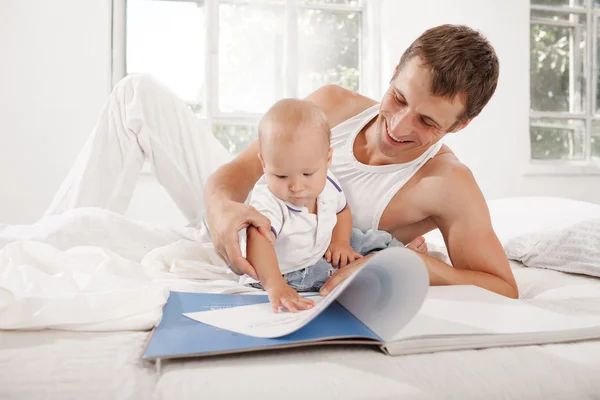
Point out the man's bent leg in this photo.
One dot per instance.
(142, 120)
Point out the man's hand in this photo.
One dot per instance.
(224, 221)
(282, 295)
(341, 274)
(340, 254)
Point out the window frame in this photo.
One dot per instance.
(586, 166)
(369, 64)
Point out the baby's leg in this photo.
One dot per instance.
(371, 241)
(310, 279)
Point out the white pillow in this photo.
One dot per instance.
(574, 249)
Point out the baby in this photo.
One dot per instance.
(311, 222)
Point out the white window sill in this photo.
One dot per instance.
(562, 168)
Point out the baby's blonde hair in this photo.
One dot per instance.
(285, 117)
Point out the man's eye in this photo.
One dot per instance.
(427, 124)
(281, 176)
(400, 101)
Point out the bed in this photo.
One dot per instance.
(49, 364)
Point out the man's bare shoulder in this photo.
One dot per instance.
(445, 179)
(339, 103)
(447, 165)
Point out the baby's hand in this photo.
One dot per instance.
(281, 295)
(340, 254)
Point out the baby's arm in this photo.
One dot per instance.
(262, 256)
(340, 253)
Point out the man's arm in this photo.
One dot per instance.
(458, 208)
(339, 103)
(462, 215)
(235, 179)
(224, 194)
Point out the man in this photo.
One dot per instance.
(396, 174)
(443, 81)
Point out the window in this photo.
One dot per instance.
(565, 107)
(230, 60)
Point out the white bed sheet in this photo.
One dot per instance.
(74, 365)
(70, 365)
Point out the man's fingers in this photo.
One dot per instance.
(237, 263)
(221, 250)
(231, 248)
(262, 223)
(242, 265)
(334, 280)
(328, 256)
(341, 274)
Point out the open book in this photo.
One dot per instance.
(387, 303)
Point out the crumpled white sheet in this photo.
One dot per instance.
(95, 270)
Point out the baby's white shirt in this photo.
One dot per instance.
(301, 237)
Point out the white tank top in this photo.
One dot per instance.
(368, 188)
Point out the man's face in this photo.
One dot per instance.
(410, 118)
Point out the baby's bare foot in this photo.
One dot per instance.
(419, 244)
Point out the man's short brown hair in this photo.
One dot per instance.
(461, 61)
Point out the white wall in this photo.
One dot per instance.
(496, 144)
(54, 77)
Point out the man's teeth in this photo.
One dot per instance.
(393, 138)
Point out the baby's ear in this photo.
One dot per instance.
(262, 162)
(329, 154)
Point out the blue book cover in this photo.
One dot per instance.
(178, 336)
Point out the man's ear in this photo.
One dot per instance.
(329, 154)
(262, 162)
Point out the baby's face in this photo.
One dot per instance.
(296, 172)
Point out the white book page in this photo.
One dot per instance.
(259, 320)
(385, 294)
(470, 310)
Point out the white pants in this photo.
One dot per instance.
(143, 120)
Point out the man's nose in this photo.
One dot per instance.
(402, 123)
